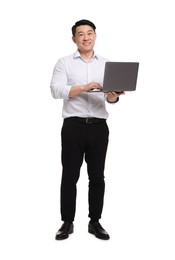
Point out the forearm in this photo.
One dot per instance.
(76, 90)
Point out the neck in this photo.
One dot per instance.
(87, 56)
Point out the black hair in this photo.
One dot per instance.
(82, 22)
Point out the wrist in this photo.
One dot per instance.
(82, 88)
(113, 102)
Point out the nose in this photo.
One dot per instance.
(86, 37)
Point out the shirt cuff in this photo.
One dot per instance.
(113, 101)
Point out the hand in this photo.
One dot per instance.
(92, 85)
(112, 96)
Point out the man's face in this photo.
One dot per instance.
(84, 38)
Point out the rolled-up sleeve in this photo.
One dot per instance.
(58, 85)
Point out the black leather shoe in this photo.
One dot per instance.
(98, 231)
(64, 231)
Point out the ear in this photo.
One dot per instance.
(73, 39)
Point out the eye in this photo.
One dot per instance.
(80, 34)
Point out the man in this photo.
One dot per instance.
(84, 131)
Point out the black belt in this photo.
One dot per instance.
(87, 120)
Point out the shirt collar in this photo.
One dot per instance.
(77, 55)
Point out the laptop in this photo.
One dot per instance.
(119, 77)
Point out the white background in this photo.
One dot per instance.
(139, 201)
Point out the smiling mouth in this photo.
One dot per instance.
(86, 43)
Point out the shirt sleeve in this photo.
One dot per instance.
(58, 85)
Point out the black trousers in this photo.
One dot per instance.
(81, 141)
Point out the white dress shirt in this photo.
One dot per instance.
(71, 71)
